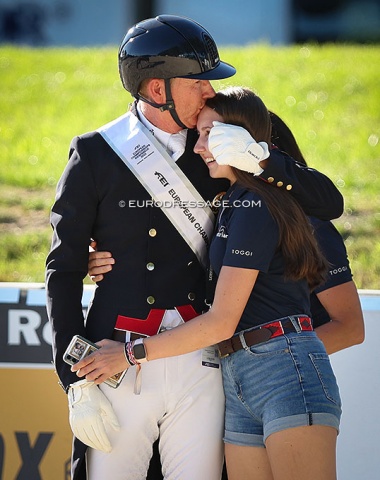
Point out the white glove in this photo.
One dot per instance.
(232, 145)
(89, 412)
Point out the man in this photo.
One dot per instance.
(122, 189)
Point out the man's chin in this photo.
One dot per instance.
(190, 125)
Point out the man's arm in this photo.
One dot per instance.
(72, 218)
(318, 196)
(313, 190)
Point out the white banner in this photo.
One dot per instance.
(163, 179)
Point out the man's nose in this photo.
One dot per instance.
(208, 90)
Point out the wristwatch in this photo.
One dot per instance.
(139, 351)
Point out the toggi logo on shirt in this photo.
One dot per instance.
(338, 270)
(247, 253)
(222, 232)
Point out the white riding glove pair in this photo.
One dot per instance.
(232, 145)
(89, 413)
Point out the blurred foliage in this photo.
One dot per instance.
(329, 95)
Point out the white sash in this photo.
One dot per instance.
(168, 186)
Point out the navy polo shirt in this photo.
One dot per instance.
(332, 245)
(246, 236)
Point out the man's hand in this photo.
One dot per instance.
(232, 145)
(99, 263)
(89, 413)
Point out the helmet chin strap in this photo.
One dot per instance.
(169, 105)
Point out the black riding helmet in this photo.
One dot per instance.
(166, 47)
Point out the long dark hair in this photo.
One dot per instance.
(303, 259)
(284, 139)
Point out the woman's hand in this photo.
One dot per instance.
(102, 364)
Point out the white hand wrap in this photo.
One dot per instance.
(232, 145)
(89, 413)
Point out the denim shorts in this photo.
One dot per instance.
(285, 382)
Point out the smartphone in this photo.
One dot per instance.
(79, 348)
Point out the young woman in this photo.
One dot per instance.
(282, 400)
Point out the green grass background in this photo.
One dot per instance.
(329, 95)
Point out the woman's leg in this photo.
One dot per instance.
(282, 393)
(248, 463)
(303, 453)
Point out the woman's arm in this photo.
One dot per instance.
(346, 327)
(219, 323)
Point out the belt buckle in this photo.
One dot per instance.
(231, 341)
(223, 355)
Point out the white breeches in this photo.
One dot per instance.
(182, 402)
